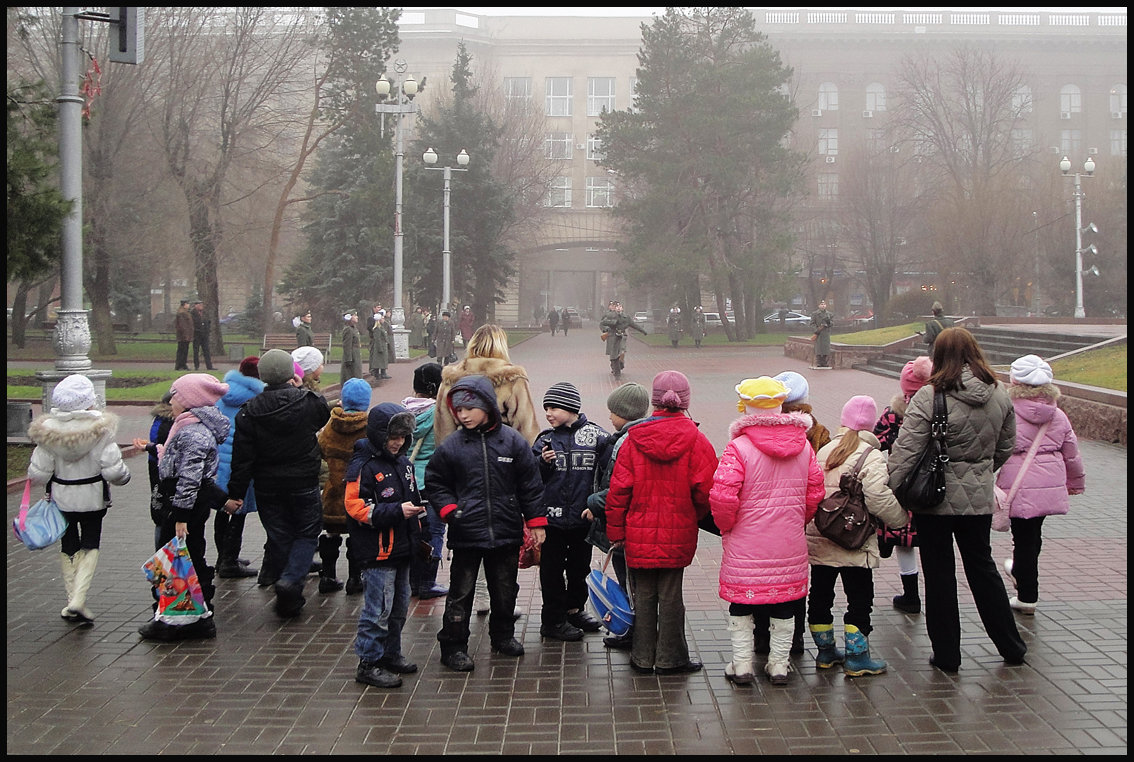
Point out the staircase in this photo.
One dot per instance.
(1001, 346)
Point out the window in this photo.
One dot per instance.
(1022, 100)
(559, 192)
(559, 96)
(559, 145)
(1022, 140)
(875, 97)
(600, 191)
(594, 148)
(828, 186)
(876, 140)
(518, 88)
(1070, 100)
(1070, 142)
(828, 142)
(1118, 142)
(600, 95)
(1118, 100)
(828, 97)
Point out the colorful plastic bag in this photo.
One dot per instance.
(38, 526)
(171, 572)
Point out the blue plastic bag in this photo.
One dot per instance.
(610, 601)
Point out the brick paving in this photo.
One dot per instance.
(271, 687)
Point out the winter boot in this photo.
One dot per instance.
(829, 655)
(85, 563)
(329, 554)
(858, 661)
(616, 367)
(354, 574)
(739, 670)
(780, 633)
(427, 585)
(909, 601)
(68, 564)
(371, 673)
(228, 551)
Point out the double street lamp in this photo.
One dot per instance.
(400, 106)
(430, 158)
(1088, 171)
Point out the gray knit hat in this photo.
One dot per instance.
(564, 396)
(630, 401)
(276, 367)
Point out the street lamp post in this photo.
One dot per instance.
(402, 105)
(430, 158)
(1088, 171)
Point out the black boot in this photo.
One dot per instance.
(228, 550)
(800, 626)
(329, 554)
(427, 585)
(616, 367)
(762, 637)
(909, 601)
(354, 573)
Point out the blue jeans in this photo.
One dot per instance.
(385, 605)
(292, 521)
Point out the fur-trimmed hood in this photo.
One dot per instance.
(499, 372)
(778, 434)
(1025, 392)
(1034, 404)
(71, 435)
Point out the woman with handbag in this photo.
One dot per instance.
(855, 567)
(1043, 481)
(76, 457)
(979, 435)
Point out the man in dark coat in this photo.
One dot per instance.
(201, 325)
(183, 326)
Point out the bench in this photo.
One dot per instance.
(286, 342)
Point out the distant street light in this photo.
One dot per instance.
(1088, 171)
(430, 158)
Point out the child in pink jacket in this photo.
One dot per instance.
(765, 490)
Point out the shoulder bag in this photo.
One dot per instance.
(924, 486)
(842, 516)
(1001, 517)
(38, 526)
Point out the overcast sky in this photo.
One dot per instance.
(648, 11)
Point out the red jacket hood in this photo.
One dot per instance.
(663, 436)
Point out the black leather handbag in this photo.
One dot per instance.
(924, 486)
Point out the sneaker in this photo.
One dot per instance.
(458, 661)
(561, 631)
(509, 647)
(1028, 609)
(584, 621)
(372, 674)
(1008, 569)
(398, 665)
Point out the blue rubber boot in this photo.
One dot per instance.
(858, 661)
(829, 655)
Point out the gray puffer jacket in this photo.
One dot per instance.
(980, 437)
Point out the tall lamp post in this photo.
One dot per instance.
(1088, 171)
(401, 106)
(430, 158)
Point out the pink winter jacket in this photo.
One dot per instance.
(1057, 468)
(766, 488)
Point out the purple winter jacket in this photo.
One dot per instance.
(1057, 468)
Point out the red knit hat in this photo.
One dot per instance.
(248, 366)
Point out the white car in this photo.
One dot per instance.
(713, 320)
(641, 317)
(791, 318)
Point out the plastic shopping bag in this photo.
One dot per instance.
(610, 601)
(171, 572)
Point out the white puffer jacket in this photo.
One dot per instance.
(74, 446)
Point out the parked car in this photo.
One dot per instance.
(791, 318)
(713, 320)
(860, 318)
(641, 317)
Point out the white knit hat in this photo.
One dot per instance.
(1031, 370)
(75, 392)
(308, 358)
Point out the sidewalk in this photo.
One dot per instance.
(271, 687)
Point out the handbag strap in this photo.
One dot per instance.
(1027, 461)
(25, 503)
(861, 459)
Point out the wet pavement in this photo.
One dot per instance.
(267, 686)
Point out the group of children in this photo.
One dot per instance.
(641, 493)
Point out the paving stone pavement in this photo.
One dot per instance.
(266, 686)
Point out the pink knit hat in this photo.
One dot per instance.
(915, 374)
(198, 390)
(671, 390)
(859, 413)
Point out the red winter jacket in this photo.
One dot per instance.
(660, 490)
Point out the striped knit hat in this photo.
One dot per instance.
(564, 396)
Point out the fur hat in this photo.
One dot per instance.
(308, 358)
(670, 390)
(248, 366)
(860, 413)
(355, 395)
(763, 393)
(198, 390)
(630, 401)
(565, 396)
(75, 392)
(1031, 370)
(276, 367)
(427, 379)
(914, 375)
(796, 386)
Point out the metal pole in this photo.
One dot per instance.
(445, 253)
(1035, 283)
(1079, 311)
(398, 316)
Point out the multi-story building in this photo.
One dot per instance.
(844, 64)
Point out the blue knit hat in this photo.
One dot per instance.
(355, 395)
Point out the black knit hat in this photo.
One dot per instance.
(564, 396)
(427, 379)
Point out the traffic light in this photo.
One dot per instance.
(127, 35)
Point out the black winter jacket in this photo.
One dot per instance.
(570, 479)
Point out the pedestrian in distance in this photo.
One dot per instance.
(565, 320)
(980, 437)
(934, 326)
(183, 328)
(673, 324)
(352, 349)
(821, 322)
(765, 490)
(486, 485)
(855, 568)
(379, 346)
(698, 326)
(553, 320)
(201, 329)
(304, 337)
(384, 511)
(1055, 471)
(614, 326)
(567, 454)
(444, 336)
(75, 459)
(466, 324)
